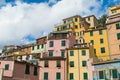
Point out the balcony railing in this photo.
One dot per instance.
(113, 20)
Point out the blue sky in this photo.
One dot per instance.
(23, 21)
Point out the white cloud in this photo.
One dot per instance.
(39, 19)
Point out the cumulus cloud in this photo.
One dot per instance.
(38, 19)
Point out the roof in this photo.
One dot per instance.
(90, 16)
(72, 17)
(53, 58)
(41, 37)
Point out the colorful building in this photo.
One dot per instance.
(91, 20)
(76, 24)
(114, 10)
(98, 37)
(109, 70)
(15, 70)
(79, 65)
(113, 29)
(52, 68)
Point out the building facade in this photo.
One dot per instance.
(114, 10)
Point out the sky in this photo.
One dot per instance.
(23, 21)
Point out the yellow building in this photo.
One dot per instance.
(91, 20)
(114, 10)
(76, 24)
(98, 37)
(79, 62)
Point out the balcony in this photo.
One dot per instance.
(113, 20)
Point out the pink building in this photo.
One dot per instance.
(57, 42)
(52, 68)
(15, 70)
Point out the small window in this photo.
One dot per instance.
(91, 33)
(101, 41)
(76, 19)
(51, 44)
(101, 75)
(58, 63)
(88, 18)
(102, 50)
(37, 46)
(117, 26)
(7, 67)
(76, 26)
(118, 36)
(50, 53)
(71, 76)
(63, 43)
(100, 32)
(35, 71)
(42, 46)
(114, 73)
(27, 69)
(94, 51)
(85, 75)
(71, 63)
(92, 41)
(46, 64)
(64, 22)
(32, 47)
(76, 33)
(58, 76)
(63, 53)
(45, 75)
(84, 63)
(71, 53)
(83, 52)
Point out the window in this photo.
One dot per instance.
(58, 76)
(50, 53)
(37, 46)
(42, 45)
(27, 69)
(101, 41)
(100, 32)
(84, 63)
(81, 32)
(76, 19)
(6, 66)
(88, 18)
(83, 52)
(118, 36)
(33, 48)
(76, 33)
(92, 41)
(58, 63)
(94, 51)
(51, 44)
(101, 75)
(76, 27)
(81, 25)
(102, 50)
(71, 76)
(85, 75)
(63, 53)
(46, 64)
(63, 43)
(71, 63)
(64, 27)
(91, 33)
(35, 71)
(64, 22)
(117, 26)
(114, 73)
(71, 53)
(45, 75)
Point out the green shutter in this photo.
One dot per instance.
(76, 19)
(32, 47)
(102, 50)
(35, 71)
(91, 33)
(117, 26)
(50, 53)
(115, 73)
(76, 27)
(71, 53)
(88, 18)
(118, 36)
(27, 69)
(100, 32)
(101, 74)
(71, 63)
(63, 43)
(101, 41)
(95, 51)
(85, 76)
(58, 75)
(63, 53)
(92, 41)
(51, 43)
(71, 76)
(7, 67)
(38, 46)
(58, 63)
(84, 63)
(83, 52)
(45, 63)
(42, 45)
(45, 75)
